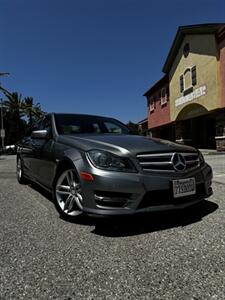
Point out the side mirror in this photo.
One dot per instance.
(39, 134)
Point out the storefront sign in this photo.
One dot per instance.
(201, 91)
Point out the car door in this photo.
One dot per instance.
(24, 147)
(26, 151)
(43, 161)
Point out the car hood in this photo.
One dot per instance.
(122, 144)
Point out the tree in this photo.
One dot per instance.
(4, 90)
(19, 114)
(31, 110)
(133, 127)
(14, 103)
(14, 125)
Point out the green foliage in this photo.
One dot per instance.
(19, 115)
(32, 111)
(133, 127)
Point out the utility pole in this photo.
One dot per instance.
(2, 132)
(2, 127)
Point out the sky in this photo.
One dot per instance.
(93, 56)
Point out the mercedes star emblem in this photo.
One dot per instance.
(178, 162)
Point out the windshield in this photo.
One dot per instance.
(77, 124)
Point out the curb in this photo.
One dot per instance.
(213, 153)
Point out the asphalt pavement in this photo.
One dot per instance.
(153, 256)
(217, 162)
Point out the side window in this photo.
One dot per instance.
(97, 128)
(46, 124)
(38, 125)
(112, 128)
(43, 124)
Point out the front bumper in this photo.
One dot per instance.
(115, 193)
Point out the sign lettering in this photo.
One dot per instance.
(201, 91)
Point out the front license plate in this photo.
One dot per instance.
(184, 187)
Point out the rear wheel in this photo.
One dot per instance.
(19, 172)
(68, 194)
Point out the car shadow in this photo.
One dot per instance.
(155, 221)
(121, 226)
(40, 190)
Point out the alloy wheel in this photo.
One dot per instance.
(68, 194)
(19, 169)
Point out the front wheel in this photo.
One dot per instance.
(10, 151)
(19, 172)
(68, 194)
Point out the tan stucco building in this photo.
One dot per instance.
(195, 67)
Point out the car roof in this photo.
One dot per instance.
(81, 115)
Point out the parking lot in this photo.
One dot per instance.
(154, 256)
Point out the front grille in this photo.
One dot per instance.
(163, 162)
(165, 197)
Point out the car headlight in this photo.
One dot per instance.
(108, 161)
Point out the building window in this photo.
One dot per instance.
(186, 50)
(155, 100)
(193, 75)
(168, 93)
(181, 83)
(152, 105)
(187, 80)
(163, 96)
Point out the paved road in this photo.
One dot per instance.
(218, 164)
(158, 256)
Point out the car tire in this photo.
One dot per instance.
(10, 152)
(67, 194)
(19, 171)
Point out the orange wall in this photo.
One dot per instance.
(160, 115)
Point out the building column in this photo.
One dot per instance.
(182, 134)
(178, 132)
(220, 132)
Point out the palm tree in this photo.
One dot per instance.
(14, 104)
(31, 110)
(16, 109)
(15, 125)
(4, 90)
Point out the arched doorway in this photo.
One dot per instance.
(196, 126)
